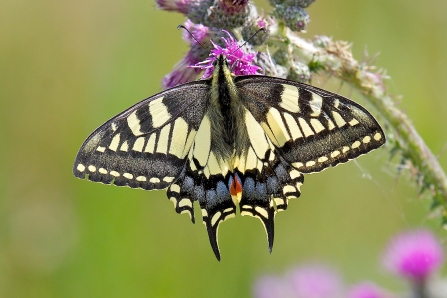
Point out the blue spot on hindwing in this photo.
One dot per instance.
(199, 193)
(249, 190)
(281, 173)
(222, 191)
(211, 197)
(188, 185)
(273, 185)
(261, 189)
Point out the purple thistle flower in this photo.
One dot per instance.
(182, 72)
(232, 6)
(414, 255)
(174, 5)
(240, 62)
(315, 281)
(199, 31)
(367, 290)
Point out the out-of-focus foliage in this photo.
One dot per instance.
(66, 67)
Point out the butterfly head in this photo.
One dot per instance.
(221, 64)
(220, 61)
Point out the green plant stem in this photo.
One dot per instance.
(412, 146)
(419, 290)
(335, 59)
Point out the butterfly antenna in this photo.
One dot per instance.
(254, 34)
(189, 32)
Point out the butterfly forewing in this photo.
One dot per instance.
(145, 146)
(310, 127)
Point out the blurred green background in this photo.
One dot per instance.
(68, 66)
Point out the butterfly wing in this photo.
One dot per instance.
(311, 128)
(293, 129)
(147, 145)
(267, 180)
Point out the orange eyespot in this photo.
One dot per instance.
(235, 186)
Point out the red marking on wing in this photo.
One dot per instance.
(235, 186)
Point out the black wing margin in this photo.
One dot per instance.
(311, 128)
(147, 145)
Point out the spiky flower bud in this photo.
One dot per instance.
(228, 14)
(300, 3)
(296, 18)
(278, 11)
(217, 37)
(299, 72)
(231, 6)
(281, 57)
(281, 71)
(249, 29)
(266, 62)
(198, 10)
(276, 2)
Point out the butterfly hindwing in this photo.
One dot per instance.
(267, 189)
(267, 180)
(204, 179)
(145, 146)
(311, 128)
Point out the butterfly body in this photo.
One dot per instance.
(228, 132)
(228, 141)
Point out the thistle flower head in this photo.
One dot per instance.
(296, 18)
(228, 14)
(251, 30)
(173, 5)
(300, 3)
(299, 72)
(232, 6)
(367, 290)
(198, 10)
(182, 72)
(414, 255)
(199, 32)
(240, 61)
(197, 35)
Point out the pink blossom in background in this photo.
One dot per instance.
(367, 290)
(414, 255)
(271, 286)
(309, 281)
(315, 281)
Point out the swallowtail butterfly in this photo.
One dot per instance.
(229, 140)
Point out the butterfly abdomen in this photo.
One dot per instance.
(228, 131)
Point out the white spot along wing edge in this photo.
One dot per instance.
(312, 128)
